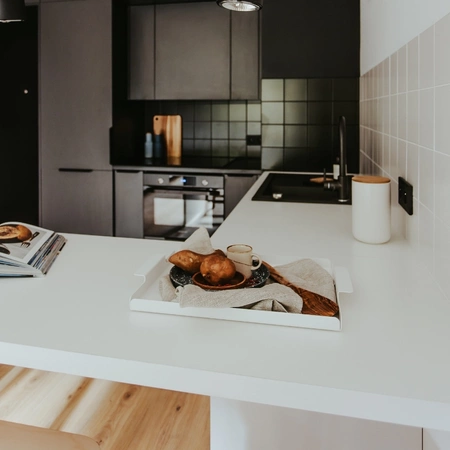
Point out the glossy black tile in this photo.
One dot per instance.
(295, 89)
(306, 159)
(202, 130)
(254, 111)
(220, 112)
(272, 90)
(319, 136)
(220, 130)
(202, 147)
(220, 147)
(169, 107)
(320, 113)
(272, 135)
(272, 158)
(272, 113)
(345, 89)
(295, 113)
(238, 111)
(295, 136)
(188, 130)
(186, 111)
(238, 148)
(202, 111)
(320, 89)
(238, 130)
(348, 109)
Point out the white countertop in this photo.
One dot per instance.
(390, 362)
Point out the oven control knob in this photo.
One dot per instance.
(160, 180)
(205, 182)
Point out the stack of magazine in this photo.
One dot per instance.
(27, 250)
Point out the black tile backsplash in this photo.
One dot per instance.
(320, 113)
(296, 118)
(320, 89)
(310, 135)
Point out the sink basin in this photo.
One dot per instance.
(297, 188)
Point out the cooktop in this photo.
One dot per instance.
(200, 162)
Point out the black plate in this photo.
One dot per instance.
(181, 278)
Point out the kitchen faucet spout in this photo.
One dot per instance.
(343, 181)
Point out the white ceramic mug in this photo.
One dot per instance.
(242, 255)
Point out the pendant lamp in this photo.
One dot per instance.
(12, 10)
(241, 5)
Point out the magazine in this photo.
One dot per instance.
(27, 250)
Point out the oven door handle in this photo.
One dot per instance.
(178, 191)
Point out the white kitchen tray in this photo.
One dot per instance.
(148, 299)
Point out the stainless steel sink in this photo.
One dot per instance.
(297, 188)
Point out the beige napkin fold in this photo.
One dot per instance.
(305, 273)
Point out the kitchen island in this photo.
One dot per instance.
(388, 364)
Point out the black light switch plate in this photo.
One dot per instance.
(405, 195)
(253, 139)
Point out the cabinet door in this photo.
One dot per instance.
(78, 201)
(315, 39)
(141, 57)
(192, 51)
(245, 53)
(76, 85)
(128, 204)
(236, 186)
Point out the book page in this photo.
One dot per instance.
(20, 241)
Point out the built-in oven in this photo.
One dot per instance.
(176, 205)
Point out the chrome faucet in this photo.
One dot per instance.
(343, 181)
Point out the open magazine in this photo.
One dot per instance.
(27, 250)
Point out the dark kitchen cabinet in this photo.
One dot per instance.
(76, 84)
(236, 186)
(78, 201)
(190, 51)
(76, 116)
(129, 203)
(318, 39)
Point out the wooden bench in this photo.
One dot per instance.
(14, 436)
(117, 416)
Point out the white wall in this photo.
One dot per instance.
(387, 25)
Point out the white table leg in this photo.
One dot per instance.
(240, 425)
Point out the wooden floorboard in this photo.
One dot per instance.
(116, 415)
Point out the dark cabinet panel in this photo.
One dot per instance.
(302, 39)
(128, 204)
(78, 201)
(75, 84)
(192, 52)
(245, 66)
(142, 52)
(236, 186)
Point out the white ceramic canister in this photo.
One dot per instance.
(371, 209)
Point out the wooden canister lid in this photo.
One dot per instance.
(370, 179)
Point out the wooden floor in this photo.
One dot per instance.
(118, 416)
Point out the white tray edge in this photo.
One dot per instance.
(151, 271)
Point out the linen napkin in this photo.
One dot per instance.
(304, 273)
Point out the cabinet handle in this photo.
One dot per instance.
(64, 169)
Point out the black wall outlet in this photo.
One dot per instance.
(405, 195)
(253, 139)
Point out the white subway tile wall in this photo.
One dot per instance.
(405, 131)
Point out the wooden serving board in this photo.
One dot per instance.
(171, 129)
